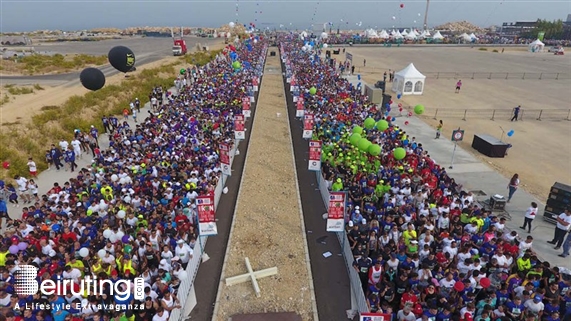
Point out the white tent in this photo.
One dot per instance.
(536, 46)
(473, 36)
(384, 34)
(438, 36)
(404, 33)
(415, 33)
(410, 36)
(409, 81)
(465, 37)
(371, 33)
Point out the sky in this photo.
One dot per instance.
(29, 15)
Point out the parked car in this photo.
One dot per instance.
(554, 49)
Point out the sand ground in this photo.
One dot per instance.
(267, 225)
(540, 152)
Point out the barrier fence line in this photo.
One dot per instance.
(476, 74)
(194, 263)
(357, 295)
(503, 114)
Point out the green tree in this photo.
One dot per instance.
(553, 29)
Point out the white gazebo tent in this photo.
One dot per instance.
(437, 36)
(536, 46)
(410, 36)
(465, 37)
(409, 81)
(384, 34)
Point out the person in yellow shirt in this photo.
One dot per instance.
(524, 263)
(409, 234)
(479, 221)
(77, 264)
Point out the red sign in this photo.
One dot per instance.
(225, 159)
(239, 125)
(314, 155)
(246, 106)
(255, 82)
(300, 107)
(206, 215)
(336, 212)
(308, 121)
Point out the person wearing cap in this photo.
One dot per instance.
(184, 252)
(535, 306)
(337, 185)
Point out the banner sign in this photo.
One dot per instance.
(251, 94)
(246, 107)
(374, 317)
(349, 57)
(300, 110)
(206, 215)
(225, 159)
(336, 212)
(239, 128)
(314, 155)
(307, 126)
(255, 83)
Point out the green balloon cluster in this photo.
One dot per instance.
(182, 71)
(375, 150)
(354, 139)
(419, 109)
(357, 130)
(382, 125)
(236, 65)
(370, 123)
(399, 153)
(312, 91)
(363, 144)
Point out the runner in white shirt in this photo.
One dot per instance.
(23, 188)
(63, 144)
(76, 144)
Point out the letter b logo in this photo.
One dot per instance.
(25, 280)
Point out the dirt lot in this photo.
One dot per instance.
(540, 152)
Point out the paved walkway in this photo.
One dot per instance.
(475, 175)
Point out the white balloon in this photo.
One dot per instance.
(182, 275)
(84, 252)
(122, 181)
(324, 35)
(120, 235)
(114, 177)
(113, 238)
(419, 14)
(394, 18)
(107, 233)
(101, 253)
(414, 21)
(225, 190)
(232, 24)
(325, 45)
(255, 40)
(304, 48)
(121, 214)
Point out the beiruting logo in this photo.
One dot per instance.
(26, 283)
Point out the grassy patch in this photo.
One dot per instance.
(495, 50)
(483, 49)
(4, 99)
(11, 124)
(79, 112)
(38, 87)
(35, 64)
(20, 90)
(200, 58)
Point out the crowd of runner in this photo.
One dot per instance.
(132, 213)
(424, 248)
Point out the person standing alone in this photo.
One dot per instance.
(529, 217)
(439, 129)
(512, 186)
(458, 86)
(562, 227)
(516, 113)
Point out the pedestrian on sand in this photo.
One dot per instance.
(512, 186)
(562, 227)
(516, 113)
(439, 129)
(458, 86)
(529, 216)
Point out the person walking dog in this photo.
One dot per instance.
(562, 227)
(529, 217)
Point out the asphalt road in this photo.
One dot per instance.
(146, 50)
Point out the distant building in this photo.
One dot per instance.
(515, 29)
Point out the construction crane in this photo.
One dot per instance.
(426, 15)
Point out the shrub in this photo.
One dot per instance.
(43, 63)
(20, 90)
(38, 87)
(495, 50)
(483, 49)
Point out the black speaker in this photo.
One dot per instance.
(381, 85)
(386, 99)
(272, 53)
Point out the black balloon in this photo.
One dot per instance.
(92, 78)
(121, 58)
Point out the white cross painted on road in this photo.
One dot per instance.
(253, 276)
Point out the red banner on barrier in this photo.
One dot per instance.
(374, 317)
(246, 106)
(336, 212)
(225, 159)
(314, 155)
(255, 83)
(206, 215)
(307, 125)
(239, 127)
(300, 107)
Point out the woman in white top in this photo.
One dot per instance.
(169, 302)
(529, 217)
(166, 254)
